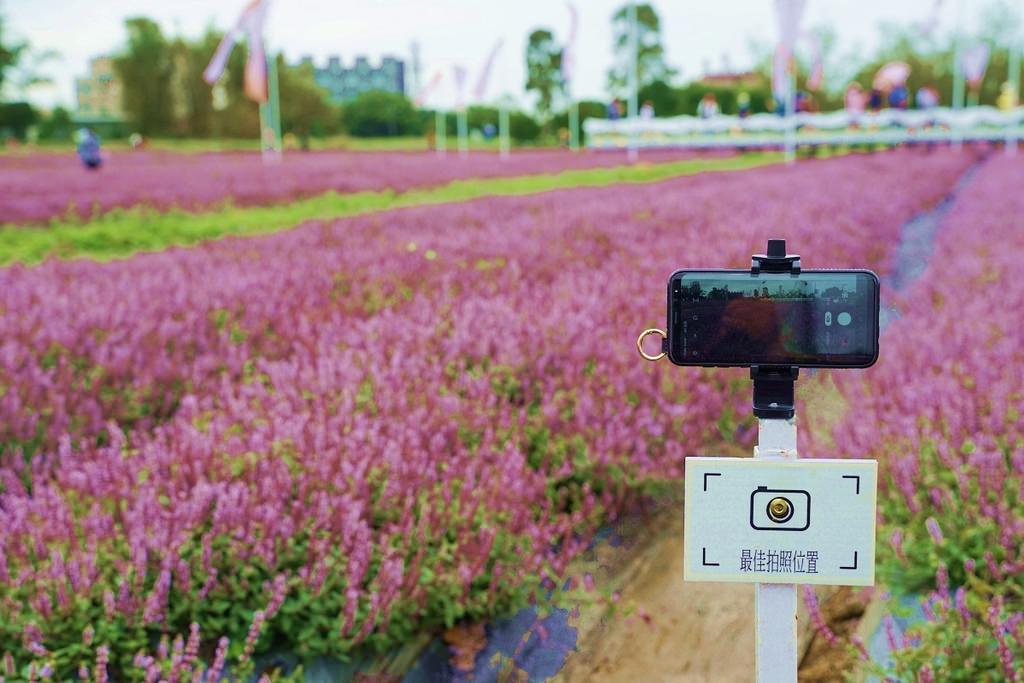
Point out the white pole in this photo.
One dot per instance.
(440, 132)
(463, 132)
(634, 77)
(1014, 81)
(958, 75)
(574, 125)
(270, 119)
(505, 104)
(503, 132)
(271, 144)
(776, 604)
(791, 111)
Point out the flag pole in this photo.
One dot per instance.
(634, 56)
(463, 128)
(270, 117)
(958, 75)
(440, 132)
(791, 110)
(260, 74)
(574, 125)
(270, 111)
(273, 110)
(503, 133)
(569, 60)
(1014, 81)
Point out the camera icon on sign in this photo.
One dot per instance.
(780, 509)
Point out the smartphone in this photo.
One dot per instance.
(810, 319)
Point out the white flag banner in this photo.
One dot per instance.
(485, 74)
(460, 73)
(249, 24)
(789, 13)
(427, 90)
(569, 51)
(932, 22)
(974, 62)
(780, 72)
(816, 77)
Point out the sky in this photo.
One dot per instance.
(696, 33)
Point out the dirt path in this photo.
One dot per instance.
(677, 631)
(668, 631)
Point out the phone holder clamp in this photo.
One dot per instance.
(774, 384)
(776, 260)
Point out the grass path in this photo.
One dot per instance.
(123, 232)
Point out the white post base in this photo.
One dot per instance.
(776, 603)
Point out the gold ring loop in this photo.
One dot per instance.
(640, 343)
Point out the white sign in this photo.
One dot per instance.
(780, 521)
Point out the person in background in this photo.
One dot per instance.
(876, 100)
(805, 102)
(1007, 99)
(708, 107)
(899, 97)
(743, 104)
(927, 98)
(89, 149)
(647, 111)
(855, 102)
(614, 110)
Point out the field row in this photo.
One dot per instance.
(337, 437)
(943, 412)
(41, 187)
(122, 232)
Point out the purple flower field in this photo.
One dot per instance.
(943, 411)
(334, 438)
(38, 187)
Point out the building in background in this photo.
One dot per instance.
(345, 84)
(98, 96)
(731, 79)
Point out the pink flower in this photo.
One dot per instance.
(934, 530)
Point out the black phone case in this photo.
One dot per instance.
(668, 345)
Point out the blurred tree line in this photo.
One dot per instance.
(656, 78)
(164, 94)
(930, 59)
(19, 71)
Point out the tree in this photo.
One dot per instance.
(305, 107)
(10, 54)
(56, 126)
(16, 118)
(650, 52)
(478, 116)
(522, 127)
(191, 95)
(239, 116)
(378, 113)
(145, 69)
(666, 100)
(544, 69)
(20, 66)
(588, 109)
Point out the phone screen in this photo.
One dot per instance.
(816, 318)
